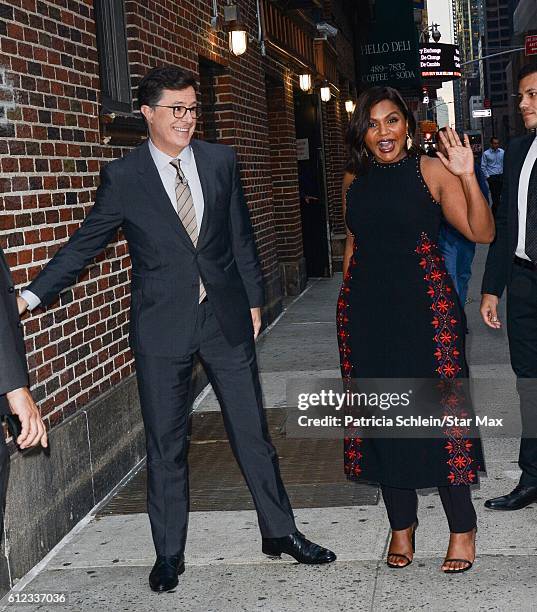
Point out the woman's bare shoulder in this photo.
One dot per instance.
(431, 164)
(348, 178)
(432, 167)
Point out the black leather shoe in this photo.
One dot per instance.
(519, 498)
(298, 547)
(163, 576)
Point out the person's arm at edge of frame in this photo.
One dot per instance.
(14, 386)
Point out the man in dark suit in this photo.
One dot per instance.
(14, 395)
(196, 289)
(512, 262)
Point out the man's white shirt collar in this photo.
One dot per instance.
(162, 160)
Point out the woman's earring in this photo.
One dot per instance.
(365, 152)
(409, 141)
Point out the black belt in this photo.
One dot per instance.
(524, 263)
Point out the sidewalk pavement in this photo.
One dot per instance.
(103, 565)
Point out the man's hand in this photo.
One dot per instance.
(489, 310)
(22, 305)
(33, 429)
(256, 320)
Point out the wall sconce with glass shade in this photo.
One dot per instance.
(325, 92)
(238, 37)
(350, 105)
(238, 42)
(305, 82)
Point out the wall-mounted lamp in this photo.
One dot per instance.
(350, 105)
(238, 37)
(305, 82)
(238, 42)
(325, 93)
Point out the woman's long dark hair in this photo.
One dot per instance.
(359, 124)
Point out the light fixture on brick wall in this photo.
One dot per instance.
(325, 92)
(305, 82)
(238, 37)
(238, 42)
(350, 105)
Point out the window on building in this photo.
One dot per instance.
(116, 94)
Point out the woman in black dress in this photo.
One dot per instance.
(398, 313)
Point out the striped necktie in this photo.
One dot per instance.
(186, 211)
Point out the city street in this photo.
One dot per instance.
(103, 564)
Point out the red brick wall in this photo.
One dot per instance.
(282, 138)
(51, 151)
(335, 121)
(50, 161)
(335, 118)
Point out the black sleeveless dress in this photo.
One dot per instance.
(398, 316)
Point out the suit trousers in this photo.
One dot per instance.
(402, 507)
(164, 384)
(495, 182)
(522, 333)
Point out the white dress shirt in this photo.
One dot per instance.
(167, 175)
(492, 162)
(523, 186)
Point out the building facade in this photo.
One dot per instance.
(470, 28)
(498, 38)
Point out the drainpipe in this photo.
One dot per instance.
(260, 34)
(214, 16)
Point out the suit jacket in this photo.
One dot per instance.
(499, 264)
(166, 266)
(13, 369)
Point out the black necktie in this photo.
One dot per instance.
(531, 216)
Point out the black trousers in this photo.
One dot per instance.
(522, 334)
(163, 385)
(495, 182)
(402, 507)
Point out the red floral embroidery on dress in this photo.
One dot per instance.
(447, 355)
(351, 448)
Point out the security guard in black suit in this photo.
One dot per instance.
(512, 263)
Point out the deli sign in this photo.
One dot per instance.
(389, 50)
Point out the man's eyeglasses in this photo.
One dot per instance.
(180, 111)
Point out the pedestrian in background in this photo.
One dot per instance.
(457, 250)
(492, 167)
